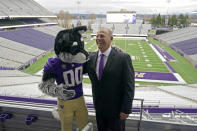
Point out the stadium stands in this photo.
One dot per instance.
(183, 41)
(23, 45)
(8, 64)
(22, 8)
(179, 35)
(181, 91)
(30, 37)
(11, 55)
(125, 29)
(51, 30)
(189, 47)
(20, 47)
(12, 73)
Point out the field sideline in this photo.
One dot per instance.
(143, 57)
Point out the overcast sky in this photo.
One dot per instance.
(102, 6)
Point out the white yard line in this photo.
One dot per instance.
(180, 79)
(158, 54)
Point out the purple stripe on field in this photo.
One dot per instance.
(168, 56)
(164, 53)
(170, 67)
(155, 76)
(148, 42)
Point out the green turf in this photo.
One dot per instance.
(38, 65)
(143, 58)
(91, 46)
(181, 66)
(87, 81)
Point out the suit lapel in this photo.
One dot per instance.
(95, 57)
(93, 63)
(109, 61)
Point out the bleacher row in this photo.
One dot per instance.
(183, 91)
(20, 8)
(22, 46)
(129, 29)
(179, 35)
(14, 22)
(184, 41)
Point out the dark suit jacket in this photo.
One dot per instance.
(114, 93)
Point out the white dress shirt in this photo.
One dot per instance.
(106, 54)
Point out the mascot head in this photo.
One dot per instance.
(69, 45)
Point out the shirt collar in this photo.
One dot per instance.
(106, 53)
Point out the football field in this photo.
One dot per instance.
(149, 63)
(153, 62)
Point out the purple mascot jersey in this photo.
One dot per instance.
(69, 74)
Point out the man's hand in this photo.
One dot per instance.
(123, 116)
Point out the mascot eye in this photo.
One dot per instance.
(75, 43)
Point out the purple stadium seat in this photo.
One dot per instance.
(30, 37)
(189, 47)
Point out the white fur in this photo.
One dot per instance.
(60, 91)
(69, 58)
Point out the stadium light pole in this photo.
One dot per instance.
(78, 19)
(100, 21)
(167, 17)
(113, 28)
(126, 28)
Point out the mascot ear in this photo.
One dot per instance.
(77, 32)
(80, 28)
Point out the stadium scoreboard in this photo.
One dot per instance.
(121, 17)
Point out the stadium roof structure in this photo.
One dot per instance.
(122, 11)
(23, 9)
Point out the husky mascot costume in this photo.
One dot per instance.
(67, 70)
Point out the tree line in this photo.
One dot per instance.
(65, 19)
(170, 21)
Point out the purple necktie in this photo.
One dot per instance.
(101, 64)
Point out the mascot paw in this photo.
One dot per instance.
(65, 94)
(69, 93)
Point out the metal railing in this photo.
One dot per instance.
(141, 111)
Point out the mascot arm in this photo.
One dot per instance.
(49, 87)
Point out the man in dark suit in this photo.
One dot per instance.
(112, 76)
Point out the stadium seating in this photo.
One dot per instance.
(189, 47)
(22, 8)
(51, 30)
(20, 47)
(122, 29)
(8, 64)
(183, 41)
(179, 35)
(11, 55)
(30, 37)
(182, 91)
(25, 44)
